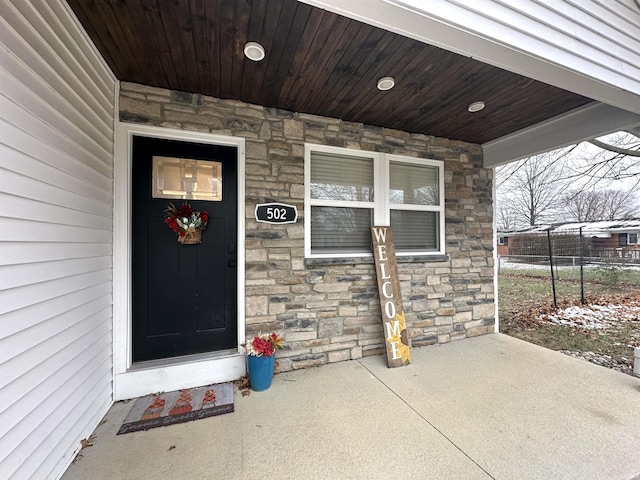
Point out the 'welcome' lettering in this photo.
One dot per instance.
(381, 235)
(393, 329)
(393, 318)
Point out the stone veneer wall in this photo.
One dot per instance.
(330, 312)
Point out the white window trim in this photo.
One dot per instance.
(629, 242)
(387, 207)
(381, 204)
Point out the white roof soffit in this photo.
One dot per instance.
(584, 123)
(591, 47)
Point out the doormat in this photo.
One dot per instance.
(177, 407)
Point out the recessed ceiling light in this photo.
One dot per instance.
(254, 51)
(386, 83)
(476, 106)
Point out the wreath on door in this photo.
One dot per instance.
(186, 222)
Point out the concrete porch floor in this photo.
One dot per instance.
(482, 408)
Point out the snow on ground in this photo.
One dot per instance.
(506, 264)
(593, 317)
(509, 265)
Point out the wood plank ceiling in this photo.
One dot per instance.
(316, 62)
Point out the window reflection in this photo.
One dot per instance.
(346, 229)
(412, 184)
(182, 178)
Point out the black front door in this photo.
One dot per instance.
(184, 296)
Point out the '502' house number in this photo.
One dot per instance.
(276, 213)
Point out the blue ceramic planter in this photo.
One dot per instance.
(260, 371)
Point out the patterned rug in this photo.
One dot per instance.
(178, 407)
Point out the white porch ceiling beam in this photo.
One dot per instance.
(584, 123)
(590, 47)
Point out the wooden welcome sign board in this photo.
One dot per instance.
(393, 317)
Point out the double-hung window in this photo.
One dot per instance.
(347, 191)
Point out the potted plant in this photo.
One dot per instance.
(261, 354)
(186, 222)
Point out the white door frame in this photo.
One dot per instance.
(134, 380)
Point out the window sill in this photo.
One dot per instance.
(317, 262)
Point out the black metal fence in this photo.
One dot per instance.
(578, 263)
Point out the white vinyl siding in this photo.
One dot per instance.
(57, 107)
(597, 37)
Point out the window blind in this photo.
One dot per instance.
(341, 177)
(414, 230)
(413, 184)
(342, 202)
(339, 229)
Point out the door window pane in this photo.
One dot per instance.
(341, 177)
(343, 230)
(181, 178)
(413, 184)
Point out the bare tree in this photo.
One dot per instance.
(619, 205)
(583, 206)
(506, 218)
(596, 170)
(624, 144)
(617, 157)
(532, 188)
(594, 205)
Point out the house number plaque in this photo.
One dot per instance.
(276, 213)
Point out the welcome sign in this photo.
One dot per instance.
(393, 317)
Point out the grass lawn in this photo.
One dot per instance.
(526, 295)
